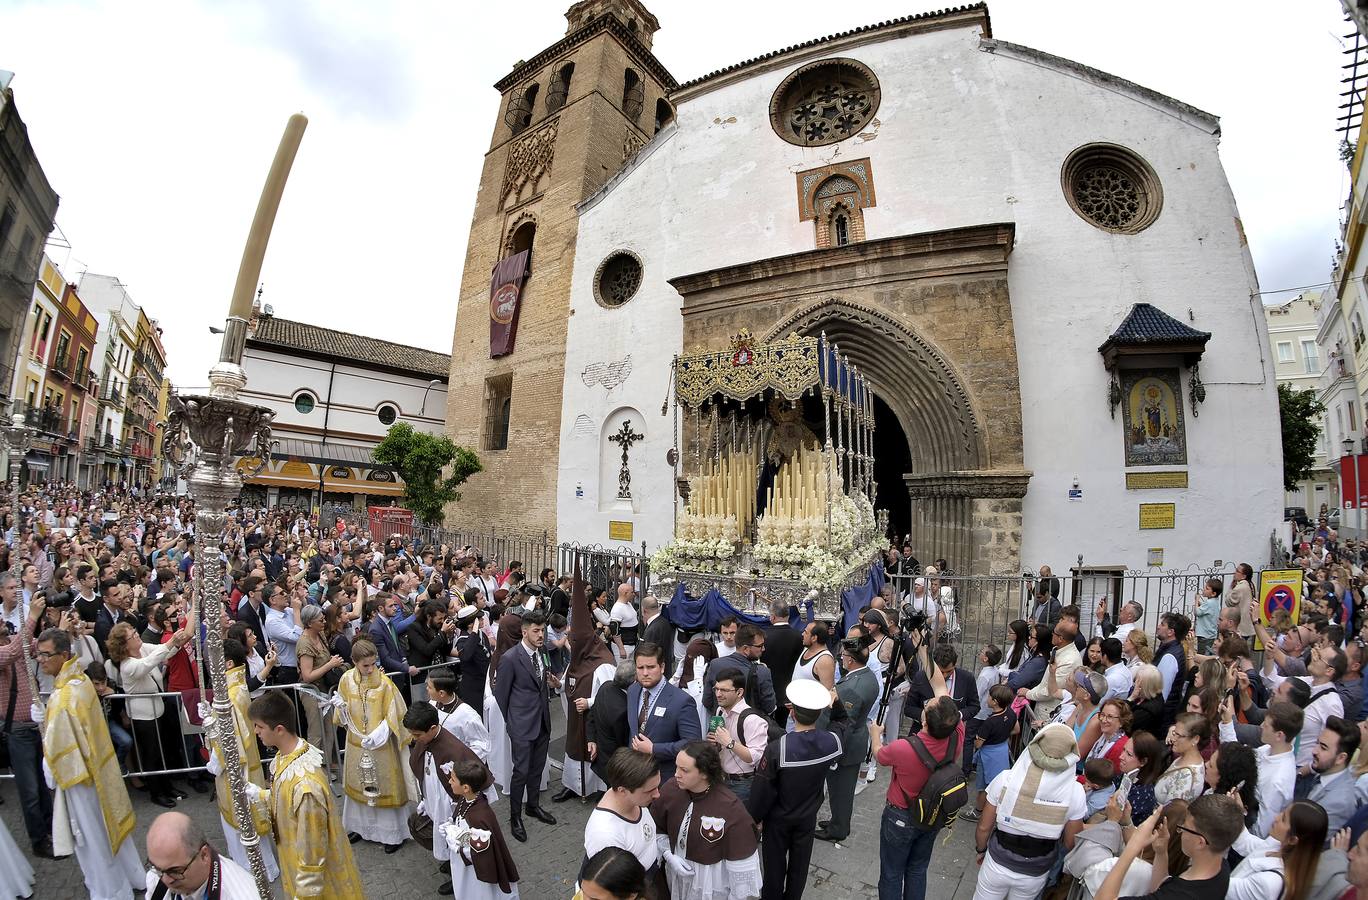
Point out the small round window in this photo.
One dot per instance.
(618, 279)
(387, 414)
(304, 403)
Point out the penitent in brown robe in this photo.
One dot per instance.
(587, 653)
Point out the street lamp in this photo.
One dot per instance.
(430, 385)
(204, 434)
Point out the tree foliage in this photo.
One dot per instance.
(1299, 411)
(419, 458)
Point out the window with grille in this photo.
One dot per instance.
(497, 412)
(633, 95)
(558, 91)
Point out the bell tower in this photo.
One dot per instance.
(569, 118)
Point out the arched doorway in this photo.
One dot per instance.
(925, 425)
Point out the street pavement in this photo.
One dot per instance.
(550, 859)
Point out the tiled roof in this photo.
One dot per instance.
(1146, 324)
(283, 333)
(940, 13)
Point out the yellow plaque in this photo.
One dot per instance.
(1142, 481)
(1158, 515)
(622, 531)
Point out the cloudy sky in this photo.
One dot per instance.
(156, 121)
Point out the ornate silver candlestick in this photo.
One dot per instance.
(204, 435)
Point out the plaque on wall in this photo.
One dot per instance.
(1158, 515)
(1152, 417)
(619, 531)
(1144, 481)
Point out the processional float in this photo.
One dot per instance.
(765, 508)
(205, 434)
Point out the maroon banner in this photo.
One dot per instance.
(1353, 481)
(505, 292)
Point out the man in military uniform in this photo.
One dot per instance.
(856, 695)
(787, 791)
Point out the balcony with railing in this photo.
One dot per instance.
(80, 378)
(110, 396)
(48, 419)
(61, 367)
(17, 265)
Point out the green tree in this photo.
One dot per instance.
(1299, 411)
(419, 458)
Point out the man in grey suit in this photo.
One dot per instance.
(1330, 783)
(661, 718)
(521, 692)
(856, 695)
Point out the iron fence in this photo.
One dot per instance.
(979, 610)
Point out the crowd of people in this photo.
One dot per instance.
(390, 691)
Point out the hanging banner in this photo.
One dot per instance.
(1353, 481)
(1279, 590)
(505, 292)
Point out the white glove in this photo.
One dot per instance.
(206, 712)
(446, 768)
(213, 766)
(376, 739)
(38, 713)
(254, 793)
(422, 808)
(678, 864)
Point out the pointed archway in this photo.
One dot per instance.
(928, 320)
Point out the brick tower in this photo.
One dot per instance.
(570, 116)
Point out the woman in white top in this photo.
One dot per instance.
(1186, 777)
(156, 729)
(1284, 863)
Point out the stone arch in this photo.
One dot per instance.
(916, 381)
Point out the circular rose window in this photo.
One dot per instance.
(1112, 188)
(618, 279)
(824, 102)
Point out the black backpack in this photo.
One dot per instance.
(945, 791)
(775, 730)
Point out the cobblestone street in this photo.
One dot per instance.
(550, 859)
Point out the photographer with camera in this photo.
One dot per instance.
(959, 686)
(856, 695)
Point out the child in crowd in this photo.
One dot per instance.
(481, 866)
(1098, 774)
(123, 741)
(558, 642)
(1208, 610)
(990, 746)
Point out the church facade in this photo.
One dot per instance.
(1039, 268)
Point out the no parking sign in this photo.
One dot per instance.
(1280, 589)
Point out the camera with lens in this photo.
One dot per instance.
(912, 619)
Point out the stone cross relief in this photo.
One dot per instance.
(625, 438)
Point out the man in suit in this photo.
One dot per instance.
(606, 724)
(1330, 782)
(657, 629)
(113, 611)
(783, 646)
(660, 717)
(521, 692)
(251, 611)
(856, 695)
(959, 685)
(750, 646)
(383, 633)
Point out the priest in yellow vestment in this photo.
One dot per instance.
(91, 813)
(376, 802)
(315, 857)
(236, 656)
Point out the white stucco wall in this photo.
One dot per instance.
(274, 378)
(964, 137)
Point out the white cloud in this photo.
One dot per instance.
(156, 121)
